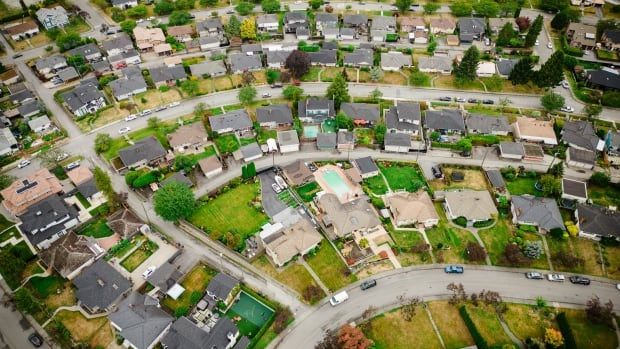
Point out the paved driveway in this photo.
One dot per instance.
(271, 202)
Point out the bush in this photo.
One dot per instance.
(481, 343)
(145, 179)
(611, 99)
(567, 332)
(557, 233)
(483, 224)
(460, 221)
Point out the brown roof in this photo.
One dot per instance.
(298, 173)
(452, 40)
(444, 23)
(22, 27)
(80, 175)
(162, 48)
(188, 134)
(530, 127)
(25, 192)
(294, 240)
(412, 21)
(124, 222)
(69, 253)
(7, 75)
(416, 207)
(180, 30)
(209, 164)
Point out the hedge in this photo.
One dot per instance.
(567, 332)
(146, 179)
(568, 49)
(483, 224)
(481, 343)
(460, 221)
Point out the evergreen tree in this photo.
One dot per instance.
(522, 71)
(560, 21)
(233, 27)
(505, 35)
(338, 90)
(550, 73)
(532, 34)
(466, 71)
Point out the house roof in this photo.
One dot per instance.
(330, 45)
(471, 204)
(124, 222)
(411, 21)
(50, 62)
(361, 111)
(581, 134)
(80, 175)
(505, 66)
(487, 124)
(209, 23)
(165, 276)
(346, 137)
(298, 173)
(100, 285)
(8, 75)
(612, 35)
(444, 119)
(355, 19)
(485, 67)
(316, 104)
(383, 22)
(435, 63)
(278, 57)
(267, 18)
(147, 149)
(470, 27)
(221, 285)
(443, 23)
(209, 164)
(583, 156)
(604, 78)
(251, 150)
(323, 56)
(193, 133)
(245, 48)
(243, 62)
(81, 95)
(21, 27)
(582, 33)
(68, 74)
(209, 67)
(38, 217)
(127, 85)
(21, 96)
(598, 220)
(140, 319)
(541, 211)
(70, 252)
(348, 217)
(526, 127)
(288, 138)
(278, 113)
(120, 41)
(29, 190)
(404, 116)
(29, 108)
(347, 32)
(293, 240)
(511, 148)
(366, 165)
(235, 120)
(179, 177)
(7, 139)
(325, 140)
(180, 30)
(184, 334)
(496, 178)
(574, 188)
(302, 31)
(88, 188)
(165, 73)
(324, 17)
(84, 50)
(149, 34)
(295, 16)
(397, 139)
(407, 206)
(359, 56)
(395, 59)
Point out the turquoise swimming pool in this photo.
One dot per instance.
(336, 183)
(311, 131)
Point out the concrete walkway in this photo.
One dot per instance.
(45, 273)
(474, 232)
(314, 275)
(422, 231)
(547, 252)
(430, 317)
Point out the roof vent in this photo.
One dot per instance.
(100, 282)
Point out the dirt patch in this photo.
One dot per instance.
(65, 298)
(375, 268)
(108, 242)
(155, 98)
(81, 328)
(394, 78)
(222, 83)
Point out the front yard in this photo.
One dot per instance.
(391, 331)
(448, 242)
(586, 252)
(450, 325)
(527, 321)
(137, 257)
(330, 268)
(95, 333)
(588, 335)
(196, 281)
(604, 196)
(473, 179)
(522, 185)
(375, 185)
(486, 321)
(405, 240)
(402, 175)
(292, 275)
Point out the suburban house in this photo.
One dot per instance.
(443, 25)
(25, 192)
(189, 139)
(346, 218)
(418, 37)
(359, 58)
(537, 211)
(48, 66)
(251, 152)
(241, 62)
(210, 27)
(21, 31)
(30, 109)
(22, 96)
(471, 28)
(208, 69)
(326, 140)
(358, 22)
(41, 124)
(521, 151)
(345, 33)
(581, 35)
(70, 254)
(178, 177)
(363, 114)
(117, 44)
(276, 59)
(124, 59)
(167, 76)
(366, 167)
(485, 69)
(165, 279)
(282, 244)
(574, 190)
(237, 121)
(223, 288)
(185, 334)
(505, 66)
(435, 64)
(604, 79)
(85, 184)
(532, 130)
(496, 24)
(397, 142)
(445, 121)
(181, 33)
(612, 146)
(148, 38)
(411, 24)
(474, 205)
(288, 141)
(315, 109)
(47, 220)
(596, 222)
(8, 143)
(124, 4)
(9, 77)
(302, 33)
(488, 125)
(581, 135)
(145, 152)
(129, 85)
(210, 166)
(382, 26)
(275, 115)
(99, 286)
(580, 158)
(324, 20)
(84, 99)
(345, 140)
(410, 209)
(496, 180)
(293, 20)
(404, 117)
(611, 39)
(53, 17)
(395, 61)
(323, 57)
(267, 22)
(298, 173)
(68, 74)
(252, 49)
(90, 52)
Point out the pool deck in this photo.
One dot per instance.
(355, 191)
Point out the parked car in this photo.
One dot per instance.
(445, 99)
(266, 95)
(565, 84)
(72, 165)
(555, 277)
(35, 340)
(454, 269)
(23, 163)
(460, 99)
(488, 101)
(62, 156)
(534, 275)
(276, 85)
(174, 104)
(124, 130)
(17, 55)
(149, 271)
(146, 112)
(338, 298)
(276, 188)
(580, 280)
(437, 171)
(472, 100)
(161, 107)
(549, 46)
(368, 284)
(537, 43)
(280, 182)
(567, 109)
(131, 117)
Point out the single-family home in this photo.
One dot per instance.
(252, 49)
(452, 40)
(41, 124)
(117, 44)
(323, 57)
(208, 69)
(9, 77)
(210, 27)
(346, 140)
(596, 222)
(210, 166)
(357, 22)
(395, 61)
(276, 115)
(84, 99)
(324, 20)
(581, 35)
(223, 288)
(302, 33)
(496, 24)
(165, 279)
(267, 22)
(404, 117)
(315, 109)
(53, 17)
(580, 134)
(471, 28)
(537, 211)
(411, 24)
(179, 177)
(284, 243)
(488, 125)
(70, 254)
(124, 59)
(505, 66)
(294, 20)
(532, 130)
(68, 74)
(99, 287)
(474, 205)
(347, 34)
(366, 167)
(288, 141)
(485, 69)
(359, 58)
(29, 190)
(397, 142)
(418, 37)
(574, 190)
(167, 76)
(241, 62)
(580, 158)
(277, 59)
(326, 140)
(251, 152)
(445, 121)
(237, 121)
(185, 334)
(189, 139)
(129, 85)
(207, 43)
(605, 79)
(346, 218)
(297, 173)
(148, 38)
(8, 143)
(612, 147)
(410, 209)
(381, 26)
(29, 109)
(611, 39)
(47, 220)
(22, 96)
(23, 30)
(145, 152)
(442, 25)
(435, 64)
(48, 66)
(163, 49)
(90, 52)
(181, 33)
(363, 114)
(124, 4)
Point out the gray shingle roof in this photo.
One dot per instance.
(165, 276)
(397, 139)
(127, 85)
(221, 285)
(404, 117)
(470, 27)
(598, 220)
(355, 20)
(50, 62)
(326, 140)
(39, 122)
(361, 111)
(359, 56)
(267, 18)
(543, 212)
(184, 334)
(395, 59)
(81, 95)
(165, 73)
(435, 63)
(512, 148)
(324, 17)
(295, 16)
(580, 134)
(7, 139)
(88, 188)
(278, 113)
(277, 57)
(84, 50)
(346, 137)
(444, 119)
(243, 62)
(583, 156)
(236, 120)
(323, 56)
(251, 150)
(99, 285)
(574, 188)
(67, 74)
(318, 104)
(29, 108)
(496, 179)
(147, 149)
(178, 177)
(210, 67)
(366, 165)
(121, 41)
(605, 78)
(487, 124)
(383, 22)
(288, 138)
(255, 48)
(21, 96)
(36, 219)
(505, 66)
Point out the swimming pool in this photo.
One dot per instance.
(336, 183)
(311, 131)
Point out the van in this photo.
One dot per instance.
(338, 298)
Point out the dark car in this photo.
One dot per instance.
(276, 85)
(35, 340)
(17, 55)
(472, 100)
(368, 284)
(437, 171)
(579, 280)
(454, 269)
(488, 101)
(445, 99)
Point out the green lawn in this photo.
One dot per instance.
(195, 281)
(405, 240)
(375, 185)
(9, 233)
(451, 240)
(264, 134)
(160, 133)
(488, 325)
(308, 190)
(392, 331)
(227, 143)
(522, 185)
(246, 141)
(138, 256)
(236, 211)
(312, 75)
(527, 321)
(329, 267)
(83, 200)
(5, 223)
(588, 335)
(46, 286)
(402, 175)
(450, 325)
(365, 136)
(495, 239)
(97, 229)
(292, 275)
(122, 247)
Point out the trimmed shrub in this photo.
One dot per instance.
(461, 221)
(483, 224)
(481, 343)
(567, 332)
(146, 179)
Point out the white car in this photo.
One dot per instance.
(174, 104)
(460, 99)
(149, 271)
(124, 130)
(131, 117)
(567, 109)
(565, 84)
(537, 43)
(555, 277)
(23, 163)
(549, 46)
(150, 18)
(146, 112)
(62, 156)
(72, 165)
(276, 188)
(266, 95)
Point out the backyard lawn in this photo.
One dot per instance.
(122, 247)
(488, 325)
(527, 321)
(607, 196)
(46, 286)
(588, 335)
(330, 268)
(375, 185)
(292, 275)
(391, 331)
(236, 211)
(9, 233)
(96, 333)
(195, 281)
(138, 256)
(474, 179)
(264, 134)
(402, 175)
(97, 229)
(450, 325)
(227, 144)
(365, 136)
(308, 190)
(522, 185)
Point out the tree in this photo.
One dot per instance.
(432, 45)
(486, 8)
(605, 24)
(312, 293)
(179, 18)
(506, 34)
(104, 184)
(270, 6)
(139, 11)
(350, 337)
(509, 8)
(532, 34)
(174, 201)
(430, 8)
(298, 63)
(208, 3)
(293, 93)
(403, 5)
(551, 72)
(103, 142)
(233, 27)
(533, 249)
(522, 71)
(330, 340)
(475, 252)
(376, 74)
(560, 21)
(409, 308)
(338, 90)
(344, 122)
(68, 41)
(247, 95)
(272, 76)
(6, 180)
(200, 109)
(247, 78)
(461, 8)
(464, 145)
(163, 7)
(153, 122)
(600, 179)
(513, 255)
(315, 4)
(466, 71)
(244, 8)
(376, 95)
(51, 157)
(190, 87)
(523, 23)
(553, 338)
(551, 186)
(593, 110)
(26, 302)
(552, 101)
(282, 318)
(380, 130)
(418, 78)
(248, 28)
(598, 313)
(554, 5)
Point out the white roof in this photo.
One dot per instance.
(270, 229)
(175, 291)
(486, 68)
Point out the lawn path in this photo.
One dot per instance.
(602, 261)
(44, 274)
(547, 252)
(74, 308)
(314, 276)
(387, 184)
(424, 236)
(474, 232)
(430, 316)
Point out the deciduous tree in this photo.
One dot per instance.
(338, 90)
(403, 5)
(233, 27)
(248, 28)
(513, 255)
(523, 23)
(270, 6)
(350, 337)
(593, 110)
(244, 8)
(247, 94)
(430, 8)
(163, 7)
(179, 18)
(598, 313)
(174, 201)
(552, 101)
(104, 184)
(505, 35)
(475, 252)
(553, 338)
(103, 141)
(293, 93)
(486, 8)
(461, 8)
(298, 63)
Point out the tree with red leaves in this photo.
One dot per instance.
(350, 337)
(298, 63)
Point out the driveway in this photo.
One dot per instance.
(271, 202)
(161, 256)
